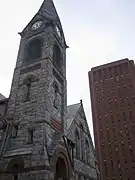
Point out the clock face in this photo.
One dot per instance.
(58, 31)
(37, 25)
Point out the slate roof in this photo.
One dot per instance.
(71, 113)
(2, 97)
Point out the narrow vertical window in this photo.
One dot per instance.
(82, 141)
(71, 148)
(15, 131)
(28, 92)
(56, 98)
(77, 145)
(27, 88)
(87, 151)
(30, 136)
(1, 135)
(57, 56)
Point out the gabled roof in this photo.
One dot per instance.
(72, 110)
(71, 113)
(2, 97)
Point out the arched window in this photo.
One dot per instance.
(77, 144)
(57, 56)
(34, 49)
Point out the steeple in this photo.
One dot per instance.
(46, 16)
(38, 92)
(48, 10)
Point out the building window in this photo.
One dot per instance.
(77, 145)
(30, 136)
(82, 141)
(27, 91)
(1, 135)
(27, 87)
(130, 114)
(56, 98)
(130, 152)
(133, 99)
(125, 159)
(111, 164)
(57, 56)
(87, 158)
(15, 131)
(124, 116)
(105, 168)
(34, 49)
(71, 146)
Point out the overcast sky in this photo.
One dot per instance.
(97, 32)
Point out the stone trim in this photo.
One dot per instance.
(18, 152)
(29, 169)
(30, 68)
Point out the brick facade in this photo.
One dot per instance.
(112, 94)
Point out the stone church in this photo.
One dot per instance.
(41, 138)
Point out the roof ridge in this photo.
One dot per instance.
(74, 104)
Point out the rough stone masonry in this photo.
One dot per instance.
(41, 137)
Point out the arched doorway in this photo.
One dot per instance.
(61, 170)
(61, 164)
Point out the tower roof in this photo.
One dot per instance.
(48, 10)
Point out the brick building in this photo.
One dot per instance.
(41, 137)
(112, 88)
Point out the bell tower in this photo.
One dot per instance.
(38, 99)
(40, 75)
